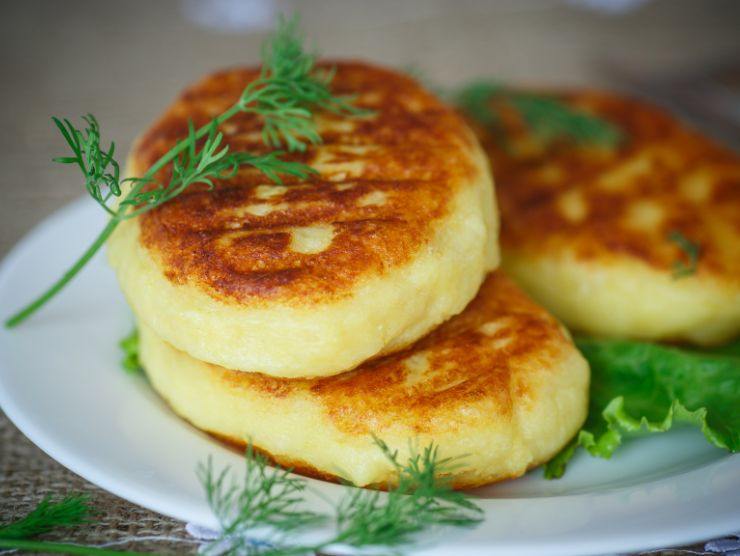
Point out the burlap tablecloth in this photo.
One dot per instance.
(27, 475)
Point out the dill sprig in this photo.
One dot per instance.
(266, 505)
(692, 250)
(546, 117)
(100, 169)
(423, 499)
(48, 516)
(284, 97)
(268, 498)
(202, 166)
(71, 511)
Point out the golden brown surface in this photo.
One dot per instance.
(589, 232)
(602, 203)
(295, 464)
(500, 383)
(451, 367)
(384, 181)
(393, 236)
(301, 467)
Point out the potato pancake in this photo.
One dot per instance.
(500, 385)
(640, 241)
(393, 236)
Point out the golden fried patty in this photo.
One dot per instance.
(501, 384)
(394, 236)
(594, 233)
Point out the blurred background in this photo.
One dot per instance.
(125, 61)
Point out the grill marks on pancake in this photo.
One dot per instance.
(236, 251)
(599, 202)
(485, 356)
(384, 180)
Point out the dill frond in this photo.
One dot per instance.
(423, 499)
(682, 269)
(269, 499)
(71, 511)
(100, 170)
(285, 96)
(546, 117)
(266, 498)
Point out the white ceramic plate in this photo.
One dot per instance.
(61, 384)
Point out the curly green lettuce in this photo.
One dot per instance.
(639, 387)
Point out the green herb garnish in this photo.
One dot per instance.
(284, 96)
(71, 511)
(269, 499)
(130, 347)
(47, 516)
(546, 117)
(692, 250)
(638, 387)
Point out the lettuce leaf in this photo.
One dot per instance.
(638, 387)
(130, 348)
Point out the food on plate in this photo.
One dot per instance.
(639, 240)
(393, 236)
(501, 384)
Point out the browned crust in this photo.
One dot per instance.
(487, 365)
(419, 155)
(462, 371)
(295, 465)
(307, 470)
(531, 179)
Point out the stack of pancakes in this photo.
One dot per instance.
(307, 317)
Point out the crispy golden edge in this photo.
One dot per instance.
(414, 152)
(589, 200)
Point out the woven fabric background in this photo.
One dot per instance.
(27, 475)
